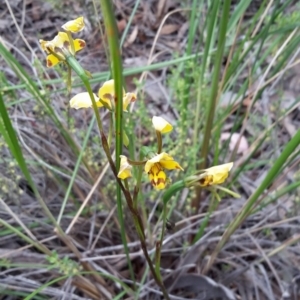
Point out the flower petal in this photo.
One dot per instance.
(107, 91)
(161, 125)
(128, 98)
(149, 164)
(165, 160)
(170, 165)
(154, 160)
(206, 180)
(44, 45)
(157, 177)
(79, 44)
(83, 100)
(52, 60)
(61, 40)
(125, 168)
(74, 25)
(217, 174)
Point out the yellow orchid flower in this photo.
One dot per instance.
(215, 175)
(125, 168)
(83, 100)
(107, 94)
(161, 125)
(56, 47)
(74, 25)
(155, 169)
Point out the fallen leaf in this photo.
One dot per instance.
(132, 36)
(169, 28)
(234, 139)
(121, 25)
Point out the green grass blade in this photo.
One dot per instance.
(117, 74)
(215, 81)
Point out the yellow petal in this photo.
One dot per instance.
(157, 177)
(156, 159)
(107, 91)
(43, 45)
(217, 174)
(161, 125)
(61, 40)
(79, 44)
(128, 98)
(83, 100)
(52, 60)
(170, 165)
(207, 180)
(125, 168)
(163, 159)
(74, 25)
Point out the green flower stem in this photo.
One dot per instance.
(69, 83)
(117, 71)
(173, 189)
(137, 187)
(111, 128)
(230, 192)
(117, 74)
(136, 163)
(159, 141)
(74, 64)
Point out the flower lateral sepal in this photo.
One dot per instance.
(125, 168)
(83, 100)
(74, 25)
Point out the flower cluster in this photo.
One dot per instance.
(63, 43)
(156, 165)
(62, 46)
